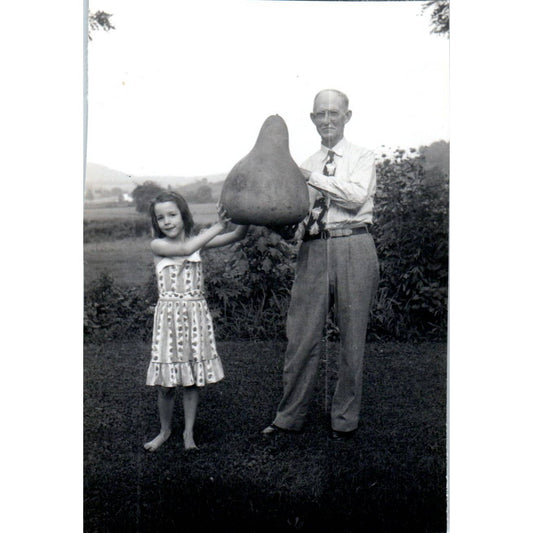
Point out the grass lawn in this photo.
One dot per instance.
(391, 478)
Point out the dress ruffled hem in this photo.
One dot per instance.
(185, 374)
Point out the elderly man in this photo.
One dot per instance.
(337, 263)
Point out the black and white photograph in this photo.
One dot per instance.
(192, 369)
(265, 266)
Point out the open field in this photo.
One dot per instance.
(128, 261)
(391, 478)
(202, 213)
(92, 212)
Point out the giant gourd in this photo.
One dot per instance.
(266, 187)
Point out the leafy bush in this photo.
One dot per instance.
(248, 289)
(113, 312)
(411, 233)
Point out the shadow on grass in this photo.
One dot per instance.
(390, 478)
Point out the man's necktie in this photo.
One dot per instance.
(316, 223)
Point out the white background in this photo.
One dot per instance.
(182, 88)
(42, 280)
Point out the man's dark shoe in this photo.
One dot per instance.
(272, 430)
(342, 436)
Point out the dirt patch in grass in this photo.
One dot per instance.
(390, 478)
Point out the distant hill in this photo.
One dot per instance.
(102, 177)
(99, 176)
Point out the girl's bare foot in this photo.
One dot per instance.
(155, 443)
(188, 441)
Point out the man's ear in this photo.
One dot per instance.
(312, 115)
(348, 115)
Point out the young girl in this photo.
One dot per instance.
(183, 344)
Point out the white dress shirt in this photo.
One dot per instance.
(350, 192)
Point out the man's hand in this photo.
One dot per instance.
(287, 232)
(306, 173)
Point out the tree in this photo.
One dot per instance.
(440, 16)
(144, 194)
(204, 194)
(99, 20)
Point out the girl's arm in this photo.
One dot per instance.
(227, 238)
(167, 248)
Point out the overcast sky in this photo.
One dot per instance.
(182, 88)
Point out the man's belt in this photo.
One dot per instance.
(337, 232)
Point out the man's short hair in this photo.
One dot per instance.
(344, 98)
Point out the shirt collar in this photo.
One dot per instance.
(339, 148)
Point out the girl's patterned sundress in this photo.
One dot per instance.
(183, 342)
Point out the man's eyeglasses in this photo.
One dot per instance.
(322, 115)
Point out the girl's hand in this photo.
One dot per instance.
(223, 217)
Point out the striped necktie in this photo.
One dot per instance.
(316, 222)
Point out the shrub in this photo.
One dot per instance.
(248, 289)
(114, 312)
(411, 233)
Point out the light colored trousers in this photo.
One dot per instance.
(343, 270)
